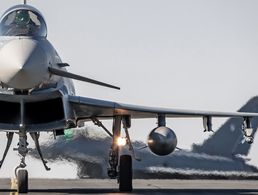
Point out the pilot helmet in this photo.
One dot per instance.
(22, 17)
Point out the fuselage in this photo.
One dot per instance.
(26, 54)
(30, 96)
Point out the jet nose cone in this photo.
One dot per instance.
(23, 64)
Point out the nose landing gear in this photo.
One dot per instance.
(21, 173)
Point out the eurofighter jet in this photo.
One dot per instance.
(37, 95)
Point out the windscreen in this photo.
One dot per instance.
(23, 23)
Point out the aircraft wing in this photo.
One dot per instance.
(86, 108)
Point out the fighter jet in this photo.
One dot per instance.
(37, 95)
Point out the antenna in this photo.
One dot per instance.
(24, 2)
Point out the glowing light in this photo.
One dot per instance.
(150, 141)
(121, 141)
(68, 133)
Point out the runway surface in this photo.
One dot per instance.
(93, 186)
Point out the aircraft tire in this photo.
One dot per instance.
(22, 181)
(125, 174)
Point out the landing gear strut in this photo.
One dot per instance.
(120, 165)
(114, 152)
(35, 137)
(9, 136)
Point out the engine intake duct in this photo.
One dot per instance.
(9, 112)
(44, 111)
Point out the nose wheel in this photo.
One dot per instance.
(22, 177)
(22, 181)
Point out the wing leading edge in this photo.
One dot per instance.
(86, 108)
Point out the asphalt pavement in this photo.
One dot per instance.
(96, 186)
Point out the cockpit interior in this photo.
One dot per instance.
(23, 22)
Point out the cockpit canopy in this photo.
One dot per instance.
(23, 21)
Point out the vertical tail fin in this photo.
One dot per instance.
(227, 140)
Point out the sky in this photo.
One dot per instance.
(189, 54)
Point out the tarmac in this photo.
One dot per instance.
(97, 186)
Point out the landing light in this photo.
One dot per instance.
(121, 141)
(150, 141)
